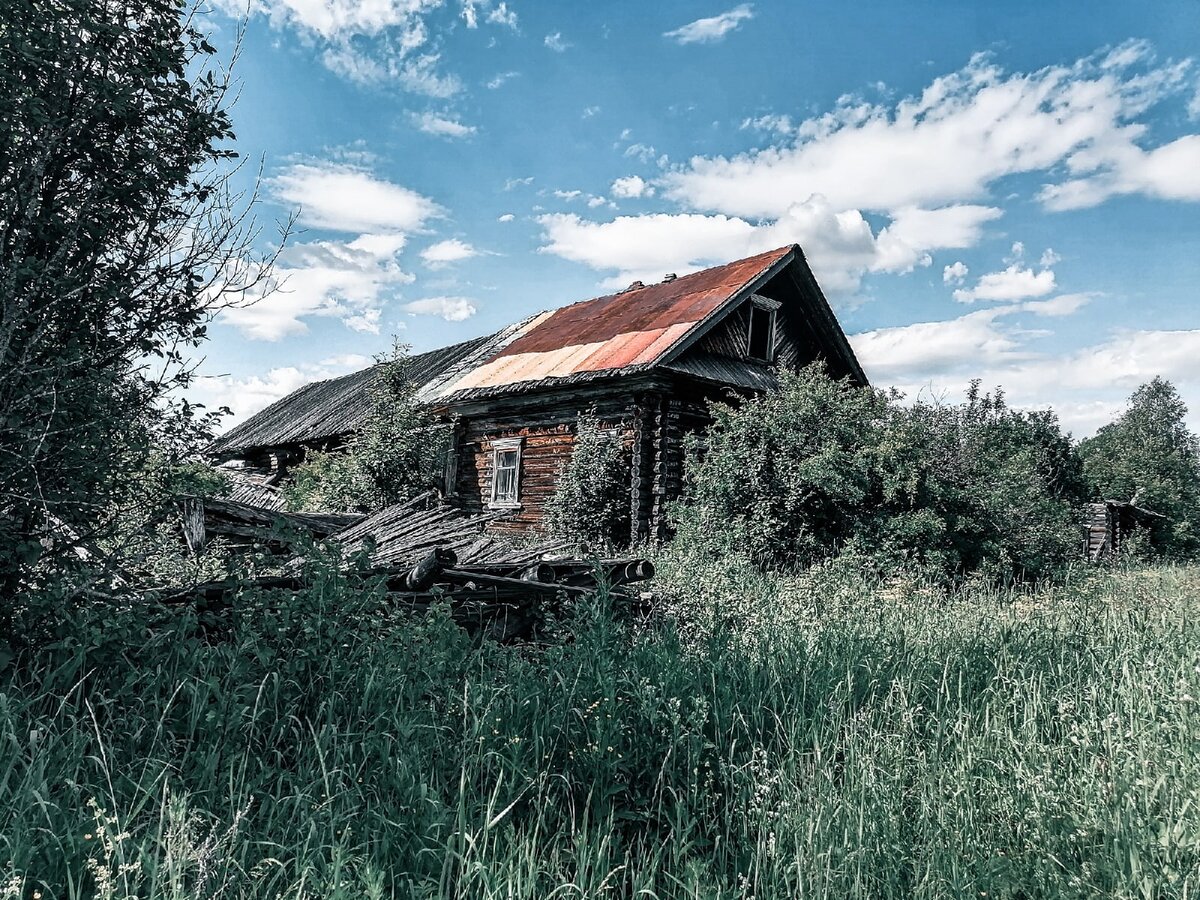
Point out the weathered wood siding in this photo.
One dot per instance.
(547, 431)
(651, 425)
(731, 338)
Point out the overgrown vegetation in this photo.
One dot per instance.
(1149, 456)
(120, 236)
(822, 468)
(399, 452)
(844, 741)
(590, 504)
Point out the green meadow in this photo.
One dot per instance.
(771, 738)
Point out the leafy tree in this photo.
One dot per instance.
(1149, 456)
(399, 452)
(590, 505)
(120, 234)
(822, 467)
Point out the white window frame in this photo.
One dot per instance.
(771, 307)
(505, 445)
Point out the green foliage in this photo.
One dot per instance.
(590, 504)
(880, 746)
(822, 467)
(400, 451)
(1150, 457)
(121, 239)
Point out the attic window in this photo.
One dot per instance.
(762, 331)
(506, 473)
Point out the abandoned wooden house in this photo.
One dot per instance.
(645, 359)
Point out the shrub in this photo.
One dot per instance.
(590, 506)
(399, 452)
(820, 467)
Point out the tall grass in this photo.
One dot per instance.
(901, 745)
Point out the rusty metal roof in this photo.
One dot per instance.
(626, 331)
(636, 330)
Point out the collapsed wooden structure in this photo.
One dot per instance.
(422, 552)
(1109, 525)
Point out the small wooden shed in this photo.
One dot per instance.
(1111, 523)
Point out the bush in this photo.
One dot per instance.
(590, 505)
(400, 451)
(821, 467)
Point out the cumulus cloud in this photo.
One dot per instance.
(445, 252)
(500, 14)
(347, 280)
(452, 309)
(778, 124)
(556, 42)
(1013, 283)
(840, 245)
(925, 165)
(961, 134)
(713, 28)
(499, 79)
(955, 274)
(442, 126)
(1086, 387)
(349, 198)
(631, 187)
(507, 217)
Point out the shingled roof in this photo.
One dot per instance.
(638, 329)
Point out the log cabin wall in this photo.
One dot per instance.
(546, 427)
(651, 425)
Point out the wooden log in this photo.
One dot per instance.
(462, 575)
(426, 572)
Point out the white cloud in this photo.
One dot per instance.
(1086, 387)
(1062, 305)
(644, 152)
(1013, 283)
(348, 198)
(1193, 109)
(507, 217)
(955, 274)
(778, 124)
(470, 14)
(499, 79)
(711, 29)
(350, 281)
(446, 252)
(518, 182)
(589, 111)
(452, 309)
(840, 246)
(630, 187)
(502, 15)
(964, 132)
(442, 126)
(556, 43)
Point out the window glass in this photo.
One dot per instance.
(762, 324)
(504, 479)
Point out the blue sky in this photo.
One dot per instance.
(1005, 191)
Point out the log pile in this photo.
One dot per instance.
(502, 600)
(421, 552)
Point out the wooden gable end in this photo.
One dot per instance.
(804, 331)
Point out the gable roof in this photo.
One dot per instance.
(636, 330)
(330, 409)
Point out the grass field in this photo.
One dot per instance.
(855, 743)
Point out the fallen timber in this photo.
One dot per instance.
(501, 606)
